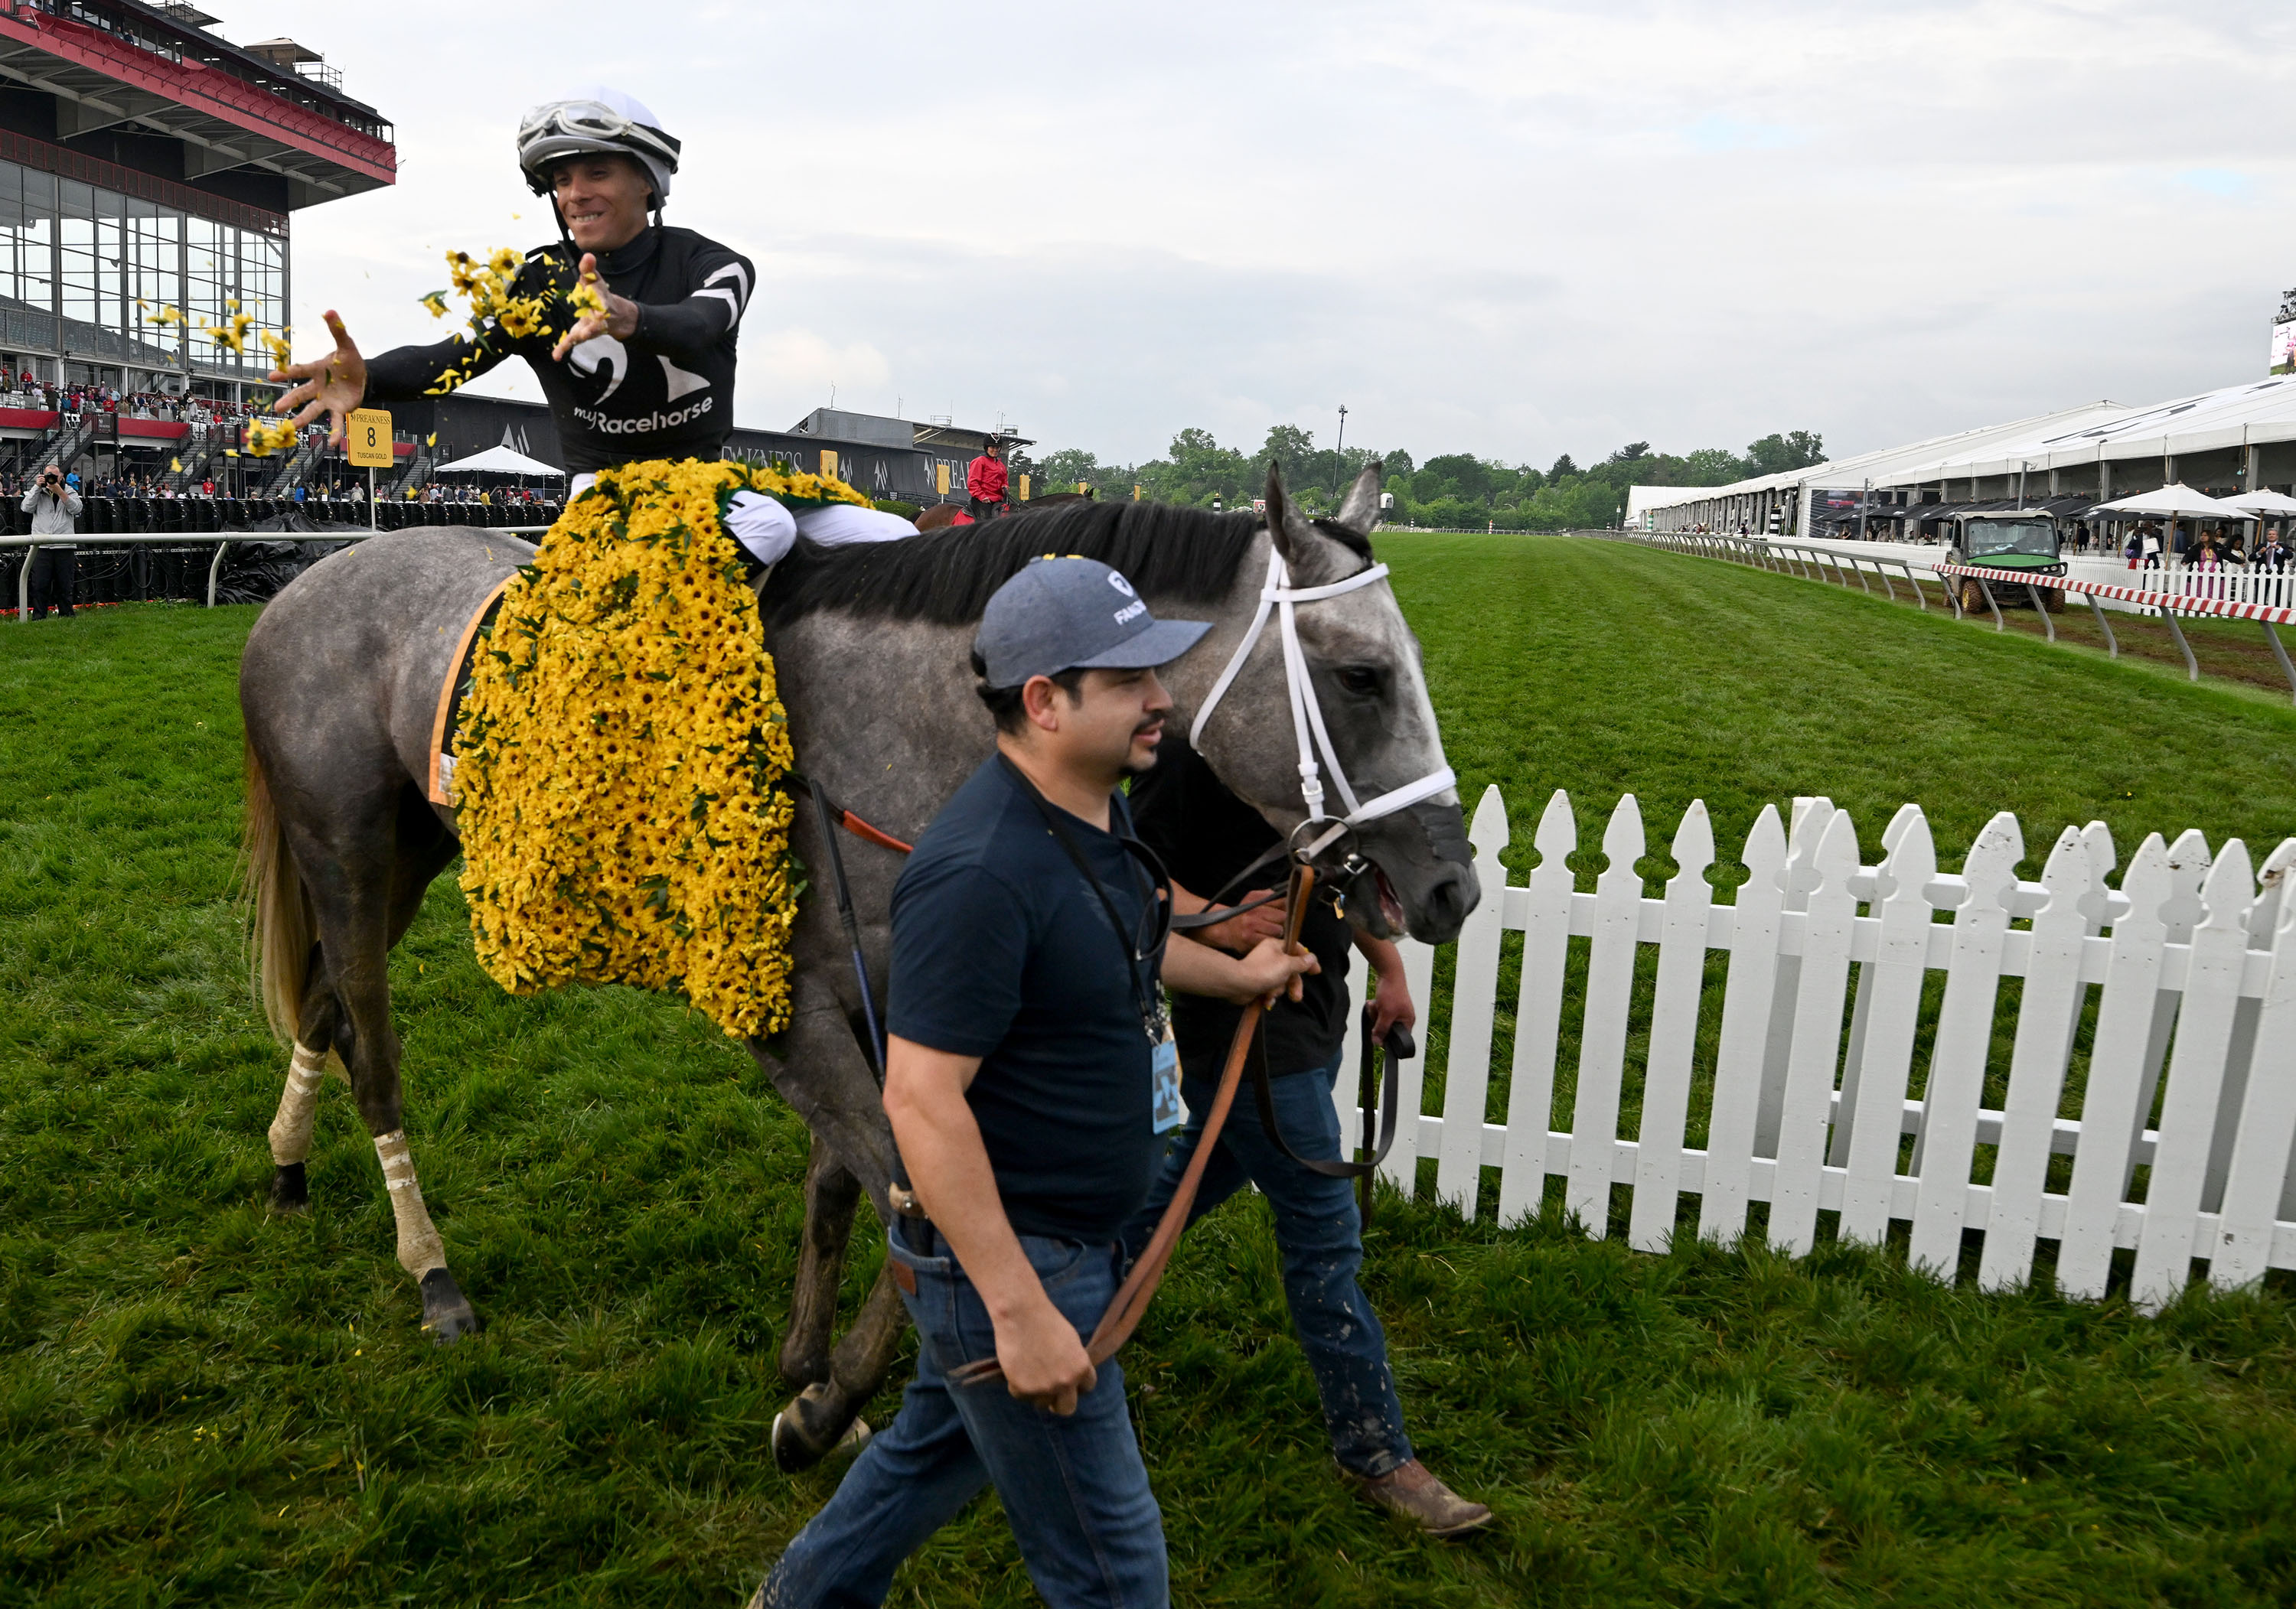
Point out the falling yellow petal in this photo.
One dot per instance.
(430, 440)
(175, 466)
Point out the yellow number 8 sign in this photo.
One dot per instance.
(367, 441)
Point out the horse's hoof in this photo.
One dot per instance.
(290, 1190)
(799, 1443)
(447, 1314)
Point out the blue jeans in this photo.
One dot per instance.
(1074, 1488)
(1320, 1236)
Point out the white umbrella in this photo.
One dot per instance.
(2265, 502)
(498, 460)
(2173, 502)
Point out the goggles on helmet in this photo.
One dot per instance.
(559, 129)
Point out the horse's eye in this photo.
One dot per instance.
(1359, 679)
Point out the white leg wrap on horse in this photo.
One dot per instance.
(299, 1104)
(420, 1249)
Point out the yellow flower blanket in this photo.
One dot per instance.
(620, 752)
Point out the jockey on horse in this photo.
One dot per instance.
(651, 375)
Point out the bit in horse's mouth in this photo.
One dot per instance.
(1390, 909)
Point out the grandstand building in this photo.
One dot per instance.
(2234, 439)
(146, 162)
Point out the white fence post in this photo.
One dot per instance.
(2047, 1019)
(1817, 1041)
(2254, 1193)
(1467, 1069)
(2113, 1113)
(1965, 1034)
(1539, 1012)
(1748, 997)
(2180, 1156)
(1673, 1035)
(1603, 1033)
(1875, 1121)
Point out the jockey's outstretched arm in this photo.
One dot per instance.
(332, 385)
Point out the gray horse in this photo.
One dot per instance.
(341, 677)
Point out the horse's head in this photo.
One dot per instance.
(1372, 692)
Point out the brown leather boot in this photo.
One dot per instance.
(1412, 1490)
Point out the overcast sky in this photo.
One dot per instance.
(1514, 229)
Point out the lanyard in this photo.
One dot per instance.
(1145, 998)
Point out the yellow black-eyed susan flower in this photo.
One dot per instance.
(621, 753)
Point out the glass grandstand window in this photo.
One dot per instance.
(208, 273)
(11, 231)
(34, 245)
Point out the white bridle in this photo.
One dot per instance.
(1307, 714)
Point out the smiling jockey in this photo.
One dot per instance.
(653, 375)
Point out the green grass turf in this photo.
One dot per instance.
(198, 1405)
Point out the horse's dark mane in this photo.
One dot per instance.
(948, 576)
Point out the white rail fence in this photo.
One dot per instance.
(1848, 557)
(2145, 1060)
(2163, 594)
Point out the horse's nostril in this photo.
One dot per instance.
(1453, 894)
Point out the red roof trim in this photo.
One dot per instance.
(220, 95)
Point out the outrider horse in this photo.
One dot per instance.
(340, 681)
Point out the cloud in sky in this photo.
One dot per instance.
(1516, 230)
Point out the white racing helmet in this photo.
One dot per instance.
(598, 119)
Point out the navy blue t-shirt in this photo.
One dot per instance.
(1001, 950)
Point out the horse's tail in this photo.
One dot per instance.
(281, 932)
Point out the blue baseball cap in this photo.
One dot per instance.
(1074, 613)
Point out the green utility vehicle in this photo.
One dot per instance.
(2018, 545)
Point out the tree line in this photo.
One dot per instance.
(1457, 490)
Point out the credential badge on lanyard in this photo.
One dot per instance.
(1163, 1055)
(1164, 1092)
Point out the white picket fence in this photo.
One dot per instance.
(2184, 975)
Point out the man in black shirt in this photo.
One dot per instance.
(1206, 836)
(1027, 1048)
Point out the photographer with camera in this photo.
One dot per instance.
(54, 508)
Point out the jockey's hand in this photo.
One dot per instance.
(1043, 1360)
(1239, 932)
(332, 386)
(620, 318)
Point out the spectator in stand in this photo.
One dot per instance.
(2271, 557)
(984, 481)
(53, 507)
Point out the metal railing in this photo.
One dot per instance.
(223, 541)
(1811, 561)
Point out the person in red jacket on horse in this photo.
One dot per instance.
(984, 481)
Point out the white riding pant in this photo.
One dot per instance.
(768, 530)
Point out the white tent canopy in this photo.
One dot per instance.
(2267, 503)
(2172, 502)
(498, 460)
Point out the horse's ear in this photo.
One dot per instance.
(1359, 510)
(1293, 536)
